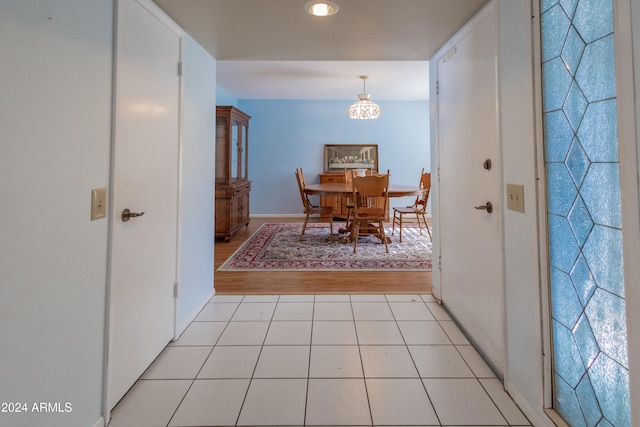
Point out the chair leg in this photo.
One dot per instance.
(424, 218)
(384, 237)
(304, 226)
(400, 228)
(393, 227)
(354, 234)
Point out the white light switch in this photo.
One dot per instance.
(515, 197)
(98, 203)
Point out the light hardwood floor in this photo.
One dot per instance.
(307, 282)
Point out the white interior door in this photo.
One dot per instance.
(471, 239)
(145, 179)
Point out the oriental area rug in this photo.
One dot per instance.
(278, 247)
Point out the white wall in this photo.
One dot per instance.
(524, 375)
(196, 181)
(55, 111)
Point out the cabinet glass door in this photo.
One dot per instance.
(235, 129)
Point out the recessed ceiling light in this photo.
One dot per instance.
(321, 8)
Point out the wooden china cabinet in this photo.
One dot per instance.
(232, 178)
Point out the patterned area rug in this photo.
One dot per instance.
(277, 247)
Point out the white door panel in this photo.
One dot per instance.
(145, 179)
(471, 239)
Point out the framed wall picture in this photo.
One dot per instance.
(337, 157)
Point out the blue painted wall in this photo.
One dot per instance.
(285, 134)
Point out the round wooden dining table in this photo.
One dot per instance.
(343, 189)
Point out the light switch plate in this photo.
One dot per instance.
(515, 197)
(98, 203)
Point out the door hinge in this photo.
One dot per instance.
(175, 290)
(179, 69)
(437, 87)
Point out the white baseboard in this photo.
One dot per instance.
(277, 215)
(535, 418)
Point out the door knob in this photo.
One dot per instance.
(488, 207)
(127, 214)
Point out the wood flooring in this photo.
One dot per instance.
(309, 282)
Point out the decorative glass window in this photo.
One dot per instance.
(590, 362)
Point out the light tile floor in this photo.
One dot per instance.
(319, 360)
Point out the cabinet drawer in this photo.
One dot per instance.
(331, 177)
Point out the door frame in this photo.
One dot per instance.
(161, 16)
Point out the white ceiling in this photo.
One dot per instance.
(272, 49)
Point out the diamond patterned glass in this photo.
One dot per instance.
(590, 362)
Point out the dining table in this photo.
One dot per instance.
(341, 189)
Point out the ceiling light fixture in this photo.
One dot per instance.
(321, 8)
(364, 109)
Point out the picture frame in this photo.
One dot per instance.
(337, 157)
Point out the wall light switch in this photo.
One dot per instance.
(98, 203)
(515, 197)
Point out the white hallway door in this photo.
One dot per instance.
(145, 179)
(471, 239)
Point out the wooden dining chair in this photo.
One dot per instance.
(311, 209)
(370, 203)
(416, 212)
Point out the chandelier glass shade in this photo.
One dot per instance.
(364, 109)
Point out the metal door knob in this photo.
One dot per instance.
(488, 207)
(127, 214)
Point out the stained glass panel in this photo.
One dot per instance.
(590, 362)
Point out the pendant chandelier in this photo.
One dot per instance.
(364, 109)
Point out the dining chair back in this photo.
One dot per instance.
(311, 209)
(370, 203)
(416, 213)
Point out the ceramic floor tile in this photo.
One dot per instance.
(387, 362)
(438, 311)
(403, 298)
(334, 332)
(177, 363)
(244, 333)
(509, 409)
(462, 402)
(201, 333)
(227, 298)
(475, 362)
(230, 362)
(454, 333)
(439, 361)
(149, 402)
(332, 298)
(211, 403)
(368, 298)
(372, 332)
(337, 402)
(283, 361)
(274, 402)
(341, 361)
(294, 311)
(400, 402)
(371, 311)
(332, 311)
(296, 298)
(217, 312)
(410, 311)
(254, 311)
(423, 332)
(428, 298)
(261, 298)
(289, 333)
